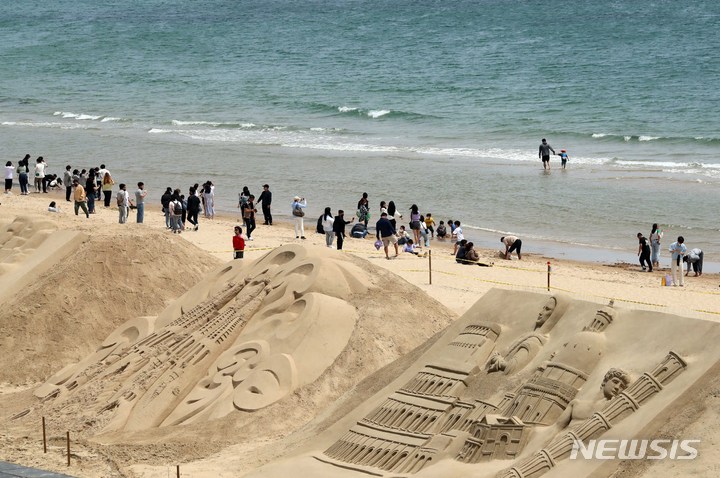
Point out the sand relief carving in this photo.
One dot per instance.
(621, 405)
(523, 350)
(391, 433)
(252, 336)
(406, 434)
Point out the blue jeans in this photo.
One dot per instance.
(140, 212)
(655, 252)
(167, 217)
(23, 183)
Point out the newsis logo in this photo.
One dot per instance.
(657, 449)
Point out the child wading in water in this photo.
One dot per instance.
(238, 243)
(563, 157)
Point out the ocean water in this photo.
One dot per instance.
(442, 104)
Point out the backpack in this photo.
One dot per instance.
(177, 208)
(120, 199)
(298, 212)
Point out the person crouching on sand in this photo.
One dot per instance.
(512, 243)
(238, 243)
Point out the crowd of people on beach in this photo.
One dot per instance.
(83, 187)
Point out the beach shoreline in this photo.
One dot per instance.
(599, 282)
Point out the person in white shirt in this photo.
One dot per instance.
(327, 225)
(297, 207)
(40, 166)
(123, 203)
(512, 243)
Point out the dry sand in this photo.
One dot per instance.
(56, 312)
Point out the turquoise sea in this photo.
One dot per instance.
(442, 104)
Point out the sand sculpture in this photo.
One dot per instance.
(28, 247)
(507, 395)
(245, 337)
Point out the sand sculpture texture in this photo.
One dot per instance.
(63, 290)
(511, 385)
(292, 327)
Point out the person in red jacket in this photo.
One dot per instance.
(238, 243)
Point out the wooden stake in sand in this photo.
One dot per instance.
(549, 270)
(68, 447)
(430, 265)
(178, 471)
(44, 436)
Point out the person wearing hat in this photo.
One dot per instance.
(563, 157)
(297, 206)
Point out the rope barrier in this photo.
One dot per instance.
(454, 274)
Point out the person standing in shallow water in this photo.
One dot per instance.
(544, 153)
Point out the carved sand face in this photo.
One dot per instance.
(612, 387)
(546, 312)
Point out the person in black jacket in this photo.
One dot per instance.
(193, 208)
(265, 201)
(339, 227)
(165, 201)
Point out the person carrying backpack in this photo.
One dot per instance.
(176, 208)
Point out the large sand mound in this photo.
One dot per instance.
(511, 386)
(63, 291)
(251, 353)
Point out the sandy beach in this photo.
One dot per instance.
(138, 270)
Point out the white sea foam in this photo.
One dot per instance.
(45, 124)
(195, 123)
(346, 109)
(377, 113)
(110, 119)
(599, 135)
(627, 138)
(78, 116)
(648, 138)
(247, 125)
(159, 131)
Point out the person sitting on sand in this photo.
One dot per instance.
(410, 247)
(403, 236)
(53, 207)
(471, 255)
(441, 231)
(460, 254)
(359, 231)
